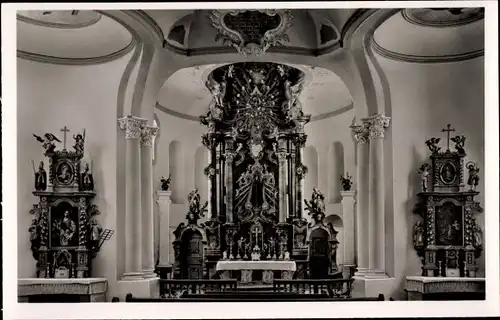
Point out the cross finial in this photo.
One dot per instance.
(65, 130)
(448, 130)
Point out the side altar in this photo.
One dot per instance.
(447, 237)
(255, 138)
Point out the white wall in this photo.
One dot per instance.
(49, 98)
(424, 99)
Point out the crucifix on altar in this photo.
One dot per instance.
(64, 130)
(448, 130)
(256, 235)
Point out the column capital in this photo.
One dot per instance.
(282, 156)
(147, 135)
(132, 125)
(361, 133)
(376, 125)
(164, 195)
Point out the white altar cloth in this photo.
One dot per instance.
(94, 288)
(256, 265)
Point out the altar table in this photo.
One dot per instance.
(287, 269)
(66, 290)
(444, 288)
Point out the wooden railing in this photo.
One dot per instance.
(335, 288)
(251, 297)
(174, 288)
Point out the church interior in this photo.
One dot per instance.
(261, 154)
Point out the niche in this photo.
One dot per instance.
(176, 169)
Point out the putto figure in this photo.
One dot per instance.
(473, 180)
(79, 142)
(47, 142)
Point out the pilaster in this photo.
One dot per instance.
(164, 202)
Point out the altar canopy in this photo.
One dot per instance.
(255, 138)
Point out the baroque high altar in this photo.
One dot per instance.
(255, 138)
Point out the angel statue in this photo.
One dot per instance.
(218, 90)
(292, 104)
(473, 180)
(424, 176)
(79, 142)
(47, 142)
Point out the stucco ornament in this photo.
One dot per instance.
(251, 32)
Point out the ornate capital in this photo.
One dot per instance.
(360, 134)
(282, 156)
(229, 155)
(147, 135)
(376, 125)
(132, 125)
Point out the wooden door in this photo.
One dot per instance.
(194, 256)
(319, 262)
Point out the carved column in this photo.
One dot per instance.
(133, 241)
(282, 162)
(291, 182)
(229, 157)
(362, 167)
(164, 214)
(148, 262)
(210, 142)
(220, 181)
(377, 125)
(300, 172)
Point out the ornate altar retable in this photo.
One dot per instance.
(65, 234)
(255, 138)
(447, 238)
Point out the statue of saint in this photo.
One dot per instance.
(424, 176)
(473, 180)
(241, 247)
(418, 234)
(95, 231)
(40, 178)
(478, 236)
(34, 230)
(318, 200)
(87, 179)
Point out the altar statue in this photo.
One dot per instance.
(47, 142)
(424, 176)
(66, 228)
(40, 177)
(316, 206)
(79, 142)
(87, 179)
(473, 180)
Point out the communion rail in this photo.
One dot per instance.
(251, 297)
(335, 288)
(174, 288)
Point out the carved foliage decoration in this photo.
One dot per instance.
(251, 32)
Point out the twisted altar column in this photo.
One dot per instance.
(148, 262)
(282, 161)
(133, 242)
(229, 157)
(377, 125)
(362, 221)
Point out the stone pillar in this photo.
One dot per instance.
(377, 125)
(229, 157)
(282, 162)
(133, 240)
(164, 215)
(348, 203)
(361, 137)
(148, 261)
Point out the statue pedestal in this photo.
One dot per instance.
(348, 203)
(164, 221)
(62, 290)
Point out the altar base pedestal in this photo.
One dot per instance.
(69, 290)
(444, 288)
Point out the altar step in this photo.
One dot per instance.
(255, 287)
